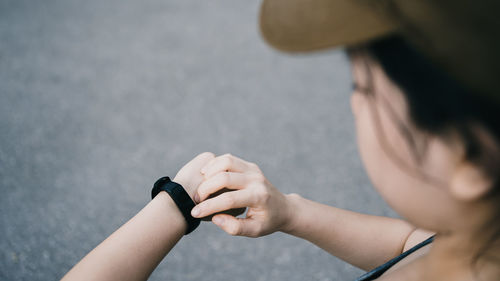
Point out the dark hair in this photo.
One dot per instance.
(438, 104)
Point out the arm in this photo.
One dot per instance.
(362, 240)
(134, 250)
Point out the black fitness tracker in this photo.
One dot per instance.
(181, 199)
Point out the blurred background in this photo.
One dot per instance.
(99, 98)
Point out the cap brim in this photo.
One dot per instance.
(308, 25)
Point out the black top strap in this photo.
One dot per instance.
(375, 273)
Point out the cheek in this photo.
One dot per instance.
(403, 192)
(374, 125)
(366, 138)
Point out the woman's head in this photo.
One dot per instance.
(429, 143)
(430, 146)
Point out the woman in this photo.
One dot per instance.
(426, 109)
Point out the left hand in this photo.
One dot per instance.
(189, 176)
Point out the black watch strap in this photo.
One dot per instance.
(181, 199)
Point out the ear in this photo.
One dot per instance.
(469, 183)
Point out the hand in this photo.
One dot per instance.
(268, 209)
(190, 176)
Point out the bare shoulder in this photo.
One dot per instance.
(409, 266)
(417, 236)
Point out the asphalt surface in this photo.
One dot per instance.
(99, 98)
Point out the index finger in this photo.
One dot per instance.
(225, 201)
(221, 180)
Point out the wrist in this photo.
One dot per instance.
(180, 197)
(292, 209)
(164, 204)
(186, 185)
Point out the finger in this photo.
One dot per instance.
(237, 226)
(223, 202)
(220, 181)
(227, 162)
(231, 212)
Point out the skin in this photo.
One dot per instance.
(443, 194)
(134, 250)
(451, 204)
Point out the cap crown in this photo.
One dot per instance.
(462, 37)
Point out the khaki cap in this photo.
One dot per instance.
(460, 36)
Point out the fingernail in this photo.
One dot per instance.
(203, 170)
(195, 212)
(218, 220)
(196, 198)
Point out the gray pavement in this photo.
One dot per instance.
(98, 98)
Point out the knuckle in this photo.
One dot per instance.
(207, 154)
(259, 178)
(263, 194)
(227, 162)
(294, 195)
(254, 166)
(201, 193)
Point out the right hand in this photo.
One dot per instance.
(268, 209)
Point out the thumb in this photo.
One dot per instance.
(237, 226)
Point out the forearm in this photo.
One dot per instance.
(361, 240)
(135, 249)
